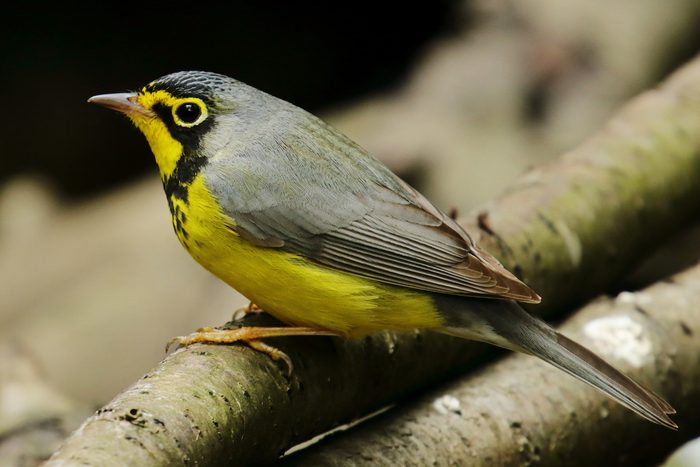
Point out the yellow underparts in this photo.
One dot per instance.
(288, 286)
(292, 288)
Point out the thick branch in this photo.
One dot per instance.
(582, 220)
(521, 411)
(572, 227)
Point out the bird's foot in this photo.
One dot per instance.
(250, 336)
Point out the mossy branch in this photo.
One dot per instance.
(520, 411)
(570, 229)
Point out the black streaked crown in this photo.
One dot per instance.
(202, 84)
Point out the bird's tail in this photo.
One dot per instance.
(506, 324)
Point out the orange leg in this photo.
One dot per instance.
(249, 335)
(252, 308)
(241, 312)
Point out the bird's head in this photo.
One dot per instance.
(179, 113)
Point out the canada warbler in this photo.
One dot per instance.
(313, 229)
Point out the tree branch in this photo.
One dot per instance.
(521, 411)
(574, 226)
(569, 229)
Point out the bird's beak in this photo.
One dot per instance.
(124, 102)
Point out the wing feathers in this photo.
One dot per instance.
(341, 208)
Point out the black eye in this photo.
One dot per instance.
(188, 112)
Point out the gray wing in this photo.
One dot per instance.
(349, 212)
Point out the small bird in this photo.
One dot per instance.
(314, 230)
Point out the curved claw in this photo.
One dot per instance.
(274, 353)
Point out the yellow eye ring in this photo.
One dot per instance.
(189, 112)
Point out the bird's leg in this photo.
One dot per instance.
(252, 308)
(246, 310)
(249, 335)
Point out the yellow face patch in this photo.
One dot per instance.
(187, 112)
(148, 99)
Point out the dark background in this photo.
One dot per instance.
(313, 54)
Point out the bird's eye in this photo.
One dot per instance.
(189, 114)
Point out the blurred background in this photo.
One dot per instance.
(459, 97)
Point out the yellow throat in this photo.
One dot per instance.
(287, 285)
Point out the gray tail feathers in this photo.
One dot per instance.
(505, 324)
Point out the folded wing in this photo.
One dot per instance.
(394, 238)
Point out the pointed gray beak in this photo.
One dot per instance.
(124, 102)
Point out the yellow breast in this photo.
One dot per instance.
(288, 286)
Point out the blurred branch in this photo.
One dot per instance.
(687, 455)
(581, 220)
(575, 225)
(34, 417)
(524, 82)
(521, 411)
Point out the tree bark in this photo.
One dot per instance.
(521, 411)
(569, 229)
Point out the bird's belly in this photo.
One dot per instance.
(294, 289)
